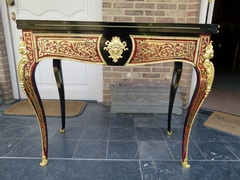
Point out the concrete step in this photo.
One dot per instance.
(143, 98)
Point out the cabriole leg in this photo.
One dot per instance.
(26, 69)
(205, 75)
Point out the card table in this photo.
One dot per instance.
(116, 44)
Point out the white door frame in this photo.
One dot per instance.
(6, 20)
(10, 50)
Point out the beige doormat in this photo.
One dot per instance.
(224, 122)
(51, 107)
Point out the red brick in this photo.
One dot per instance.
(161, 69)
(110, 12)
(141, 80)
(185, 82)
(192, 13)
(167, 6)
(160, 80)
(193, 6)
(131, 75)
(169, 64)
(123, 5)
(107, 80)
(145, 5)
(106, 96)
(154, 13)
(144, 19)
(192, 20)
(176, 14)
(156, 1)
(107, 5)
(107, 68)
(122, 69)
(141, 69)
(192, 1)
(112, 74)
(134, 12)
(182, 7)
(116, 81)
(165, 20)
(181, 20)
(107, 18)
(177, 1)
(134, 0)
(122, 19)
(148, 75)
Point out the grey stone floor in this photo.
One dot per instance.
(103, 146)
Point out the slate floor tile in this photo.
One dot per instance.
(203, 134)
(122, 150)
(177, 134)
(144, 134)
(62, 148)
(121, 120)
(145, 121)
(27, 148)
(199, 170)
(98, 121)
(193, 152)
(154, 150)
(6, 145)
(215, 151)
(15, 131)
(79, 121)
(69, 169)
(70, 133)
(95, 133)
(234, 147)
(3, 126)
(91, 150)
(122, 134)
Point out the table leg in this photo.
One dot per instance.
(177, 72)
(205, 75)
(26, 74)
(59, 80)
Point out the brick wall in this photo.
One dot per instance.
(5, 81)
(161, 11)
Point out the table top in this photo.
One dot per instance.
(123, 27)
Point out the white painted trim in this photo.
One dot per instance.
(203, 11)
(9, 47)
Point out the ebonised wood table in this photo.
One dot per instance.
(116, 44)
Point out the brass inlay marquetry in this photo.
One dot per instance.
(115, 48)
(152, 49)
(82, 48)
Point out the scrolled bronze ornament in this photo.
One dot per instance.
(115, 48)
(22, 62)
(209, 66)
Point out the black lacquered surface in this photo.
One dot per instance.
(136, 28)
